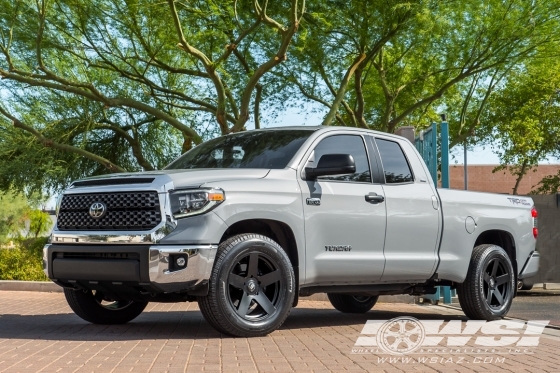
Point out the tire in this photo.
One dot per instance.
(488, 290)
(251, 288)
(91, 307)
(352, 303)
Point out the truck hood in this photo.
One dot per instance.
(191, 178)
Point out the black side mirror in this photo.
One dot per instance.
(332, 164)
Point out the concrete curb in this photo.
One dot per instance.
(51, 287)
(40, 286)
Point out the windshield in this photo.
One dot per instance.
(256, 149)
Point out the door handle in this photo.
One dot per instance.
(374, 198)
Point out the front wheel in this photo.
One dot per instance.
(352, 303)
(488, 290)
(251, 288)
(93, 307)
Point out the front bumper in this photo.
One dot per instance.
(131, 268)
(531, 266)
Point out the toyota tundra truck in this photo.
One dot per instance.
(246, 223)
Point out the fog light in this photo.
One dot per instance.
(181, 262)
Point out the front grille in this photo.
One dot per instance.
(98, 256)
(125, 211)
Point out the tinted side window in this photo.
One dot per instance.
(394, 162)
(346, 144)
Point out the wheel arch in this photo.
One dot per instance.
(276, 230)
(500, 238)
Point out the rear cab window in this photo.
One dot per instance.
(395, 165)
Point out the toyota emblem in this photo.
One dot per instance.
(97, 210)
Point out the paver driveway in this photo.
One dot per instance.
(38, 333)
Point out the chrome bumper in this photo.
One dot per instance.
(198, 269)
(157, 269)
(531, 266)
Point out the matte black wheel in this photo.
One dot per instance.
(352, 303)
(251, 289)
(488, 290)
(93, 307)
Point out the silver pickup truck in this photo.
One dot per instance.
(246, 223)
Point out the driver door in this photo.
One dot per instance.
(344, 233)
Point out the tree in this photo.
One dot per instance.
(525, 114)
(16, 211)
(404, 57)
(101, 79)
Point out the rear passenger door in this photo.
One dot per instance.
(413, 218)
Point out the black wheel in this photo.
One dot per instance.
(352, 303)
(251, 289)
(488, 289)
(93, 307)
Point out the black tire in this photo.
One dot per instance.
(352, 303)
(90, 307)
(488, 290)
(251, 288)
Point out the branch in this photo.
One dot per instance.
(77, 89)
(208, 66)
(134, 143)
(287, 35)
(342, 89)
(257, 106)
(69, 148)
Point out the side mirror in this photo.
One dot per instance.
(332, 164)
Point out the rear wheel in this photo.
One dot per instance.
(251, 289)
(488, 290)
(352, 303)
(93, 307)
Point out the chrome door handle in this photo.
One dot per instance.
(374, 198)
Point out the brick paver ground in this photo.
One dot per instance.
(38, 333)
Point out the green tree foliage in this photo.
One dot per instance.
(13, 214)
(21, 218)
(525, 113)
(128, 85)
(90, 87)
(378, 64)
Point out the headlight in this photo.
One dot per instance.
(194, 202)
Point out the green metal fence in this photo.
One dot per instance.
(429, 147)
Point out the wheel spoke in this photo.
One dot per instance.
(236, 281)
(270, 278)
(244, 305)
(499, 297)
(265, 303)
(495, 268)
(502, 279)
(489, 296)
(486, 278)
(252, 269)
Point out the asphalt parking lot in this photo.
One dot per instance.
(38, 333)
